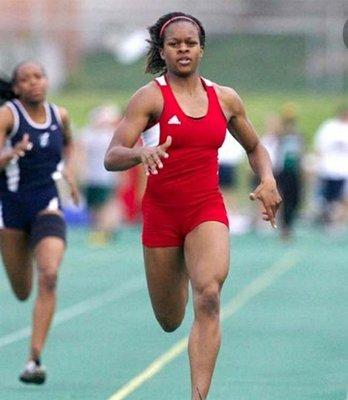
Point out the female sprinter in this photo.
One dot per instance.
(185, 232)
(34, 137)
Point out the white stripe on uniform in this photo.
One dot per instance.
(12, 171)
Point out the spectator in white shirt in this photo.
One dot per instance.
(331, 145)
(99, 184)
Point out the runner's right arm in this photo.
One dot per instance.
(6, 125)
(143, 109)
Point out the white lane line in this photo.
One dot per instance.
(83, 307)
(258, 285)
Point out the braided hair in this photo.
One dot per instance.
(154, 63)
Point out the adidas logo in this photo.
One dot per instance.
(174, 120)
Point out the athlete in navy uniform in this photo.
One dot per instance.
(35, 137)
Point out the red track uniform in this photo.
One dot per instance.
(185, 192)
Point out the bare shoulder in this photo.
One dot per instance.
(147, 100)
(6, 118)
(148, 95)
(64, 114)
(229, 99)
(5, 111)
(149, 88)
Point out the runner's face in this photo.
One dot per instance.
(31, 83)
(182, 51)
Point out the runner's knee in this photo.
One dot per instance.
(169, 323)
(48, 280)
(21, 294)
(207, 300)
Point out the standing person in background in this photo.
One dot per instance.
(34, 137)
(99, 185)
(230, 156)
(331, 145)
(270, 138)
(185, 232)
(287, 167)
(270, 141)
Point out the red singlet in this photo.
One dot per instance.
(185, 192)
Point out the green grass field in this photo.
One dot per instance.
(284, 326)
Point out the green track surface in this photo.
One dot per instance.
(288, 342)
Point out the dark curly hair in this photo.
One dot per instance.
(154, 62)
(6, 91)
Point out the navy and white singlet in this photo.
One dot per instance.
(27, 183)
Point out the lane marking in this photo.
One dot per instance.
(153, 369)
(83, 307)
(259, 284)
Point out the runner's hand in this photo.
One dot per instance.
(267, 193)
(151, 157)
(22, 147)
(74, 192)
